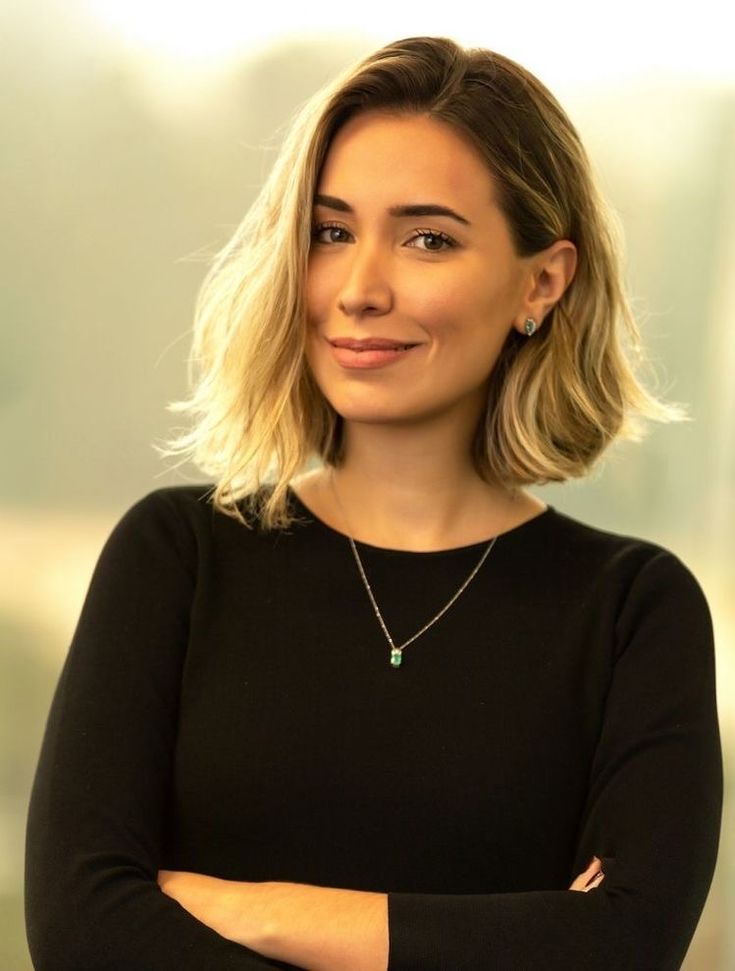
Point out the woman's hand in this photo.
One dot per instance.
(591, 878)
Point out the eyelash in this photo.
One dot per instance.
(433, 233)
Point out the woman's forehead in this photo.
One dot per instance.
(403, 157)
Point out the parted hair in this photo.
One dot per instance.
(555, 400)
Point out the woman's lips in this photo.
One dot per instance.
(350, 358)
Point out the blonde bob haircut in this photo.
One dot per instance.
(555, 400)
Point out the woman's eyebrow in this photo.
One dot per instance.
(417, 209)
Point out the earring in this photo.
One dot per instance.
(529, 326)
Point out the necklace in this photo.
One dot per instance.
(396, 650)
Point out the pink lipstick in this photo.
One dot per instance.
(369, 352)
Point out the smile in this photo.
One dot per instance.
(372, 357)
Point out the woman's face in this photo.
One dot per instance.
(387, 264)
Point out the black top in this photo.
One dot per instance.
(228, 707)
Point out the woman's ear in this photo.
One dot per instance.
(550, 273)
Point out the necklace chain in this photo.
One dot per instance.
(396, 650)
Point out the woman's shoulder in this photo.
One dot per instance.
(582, 530)
(176, 498)
(161, 522)
(638, 562)
(190, 511)
(174, 505)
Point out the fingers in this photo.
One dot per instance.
(594, 882)
(591, 878)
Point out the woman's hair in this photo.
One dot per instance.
(555, 400)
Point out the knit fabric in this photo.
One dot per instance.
(228, 707)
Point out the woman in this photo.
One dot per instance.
(387, 712)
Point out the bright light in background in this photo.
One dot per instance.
(184, 31)
(572, 41)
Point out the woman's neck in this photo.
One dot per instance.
(411, 494)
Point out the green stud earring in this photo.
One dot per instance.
(529, 326)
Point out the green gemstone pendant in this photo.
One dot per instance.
(396, 657)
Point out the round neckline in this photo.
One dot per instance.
(521, 527)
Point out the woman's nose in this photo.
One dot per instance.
(366, 286)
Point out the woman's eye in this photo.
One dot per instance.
(432, 238)
(328, 233)
(435, 241)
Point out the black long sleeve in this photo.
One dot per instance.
(100, 799)
(652, 814)
(227, 707)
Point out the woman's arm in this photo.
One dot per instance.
(98, 808)
(316, 928)
(652, 816)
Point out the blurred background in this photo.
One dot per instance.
(136, 134)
